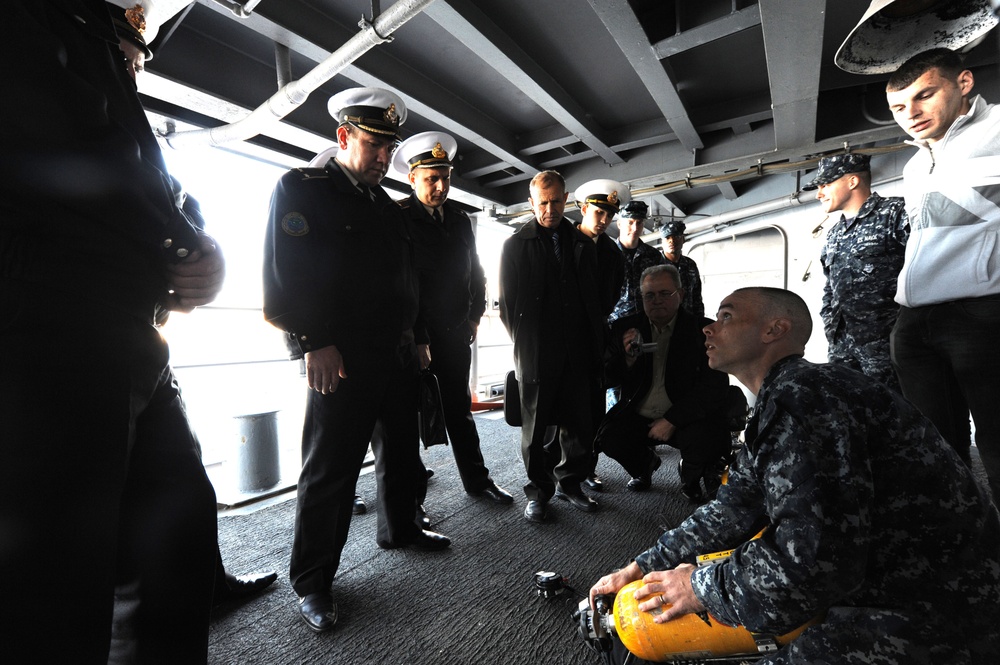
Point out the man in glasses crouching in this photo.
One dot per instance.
(669, 394)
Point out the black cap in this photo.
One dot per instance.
(634, 210)
(673, 228)
(836, 167)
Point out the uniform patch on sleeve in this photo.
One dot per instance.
(294, 224)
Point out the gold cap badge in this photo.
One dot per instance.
(390, 115)
(136, 17)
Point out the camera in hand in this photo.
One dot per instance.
(637, 348)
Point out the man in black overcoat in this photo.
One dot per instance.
(550, 307)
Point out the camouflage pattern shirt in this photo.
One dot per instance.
(691, 279)
(861, 260)
(636, 261)
(873, 521)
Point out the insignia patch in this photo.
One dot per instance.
(294, 224)
(438, 152)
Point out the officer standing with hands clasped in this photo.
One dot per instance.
(452, 297)
(861, 259)
(337, 280)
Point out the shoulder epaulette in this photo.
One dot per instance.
(308, 173)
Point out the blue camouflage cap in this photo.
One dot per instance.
(673, 228)
(634, 210)
(836, 167)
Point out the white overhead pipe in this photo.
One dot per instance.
(291, 96)
(726, 218)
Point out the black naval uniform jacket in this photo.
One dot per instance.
(88, 210)
(531, 313)
(610, 272)
(451, 278)
(696, 391)
(334, 273)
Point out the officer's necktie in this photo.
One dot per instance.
(556, 246)
(437, 215)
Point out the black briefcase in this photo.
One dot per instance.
(511, 400)
(430, 414)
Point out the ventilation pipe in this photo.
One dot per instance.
(729, 218)
(291, 96)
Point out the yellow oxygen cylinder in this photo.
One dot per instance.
(688, 637)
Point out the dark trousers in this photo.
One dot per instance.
(451, 358)
(99, 486)
(948, 362)
(624, 437)
(337, 431)
(564, 403)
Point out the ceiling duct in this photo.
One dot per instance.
(292, 95)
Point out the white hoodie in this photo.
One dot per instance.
(953, 201)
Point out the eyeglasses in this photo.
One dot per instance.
(663, 295)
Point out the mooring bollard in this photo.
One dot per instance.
(258, 451)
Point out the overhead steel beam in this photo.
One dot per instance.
(621, 21)
(793, 45)
(728, 191)
(497, 49)
(449, 112)
(626, 139)
(738, 21)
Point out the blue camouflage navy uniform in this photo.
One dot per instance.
(873, 520)
(861, 259)
(691, 279)
(636, 261)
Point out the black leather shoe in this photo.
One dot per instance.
(430, 473)
(578, 500)
(536, 511)
(593, 482)
(242, 587)
(318, 611)
(423, 521)
(429, 541)
(496, 494)
(694, 495)
(642, 483)
(359, 507)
